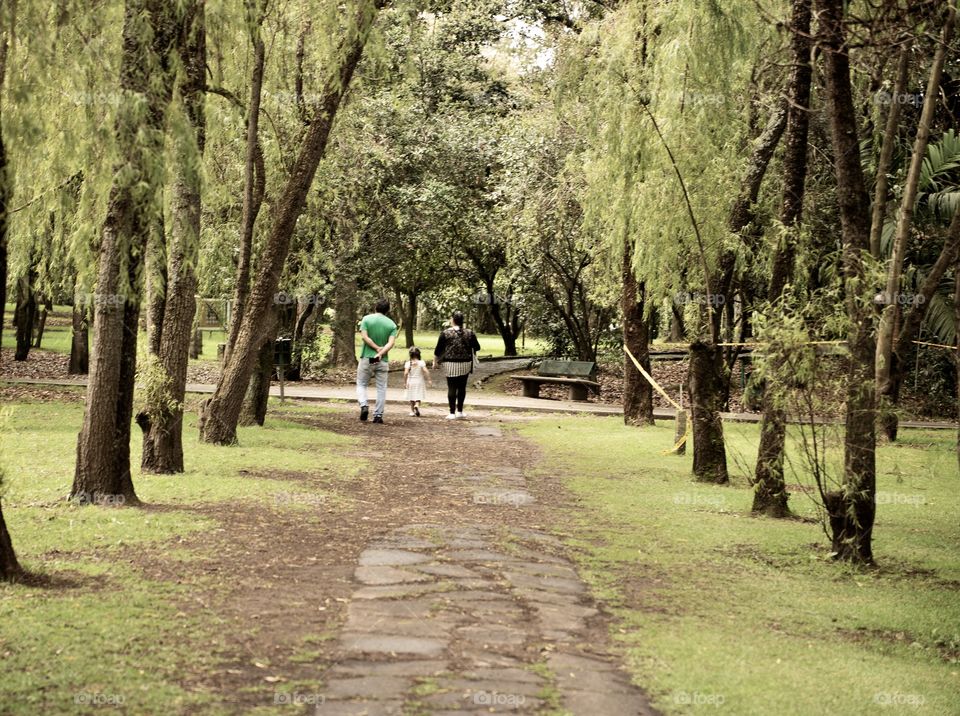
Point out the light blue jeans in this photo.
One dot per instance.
(379, 371)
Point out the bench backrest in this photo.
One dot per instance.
(568, 369)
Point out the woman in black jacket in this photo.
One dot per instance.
(456, 349)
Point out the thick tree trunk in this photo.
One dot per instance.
(9, 566)
(155, 270)
(255, 401)
(637, 392)
(218, 421)
(79, 342)
(705, 388)
(103, 447)
(887, 329)
(163, 422)
(196, 343)
(770, 491)
(852, 509)
(410, 319)
(345, 306)
(25, 313)
(956, 353)
(45, 310)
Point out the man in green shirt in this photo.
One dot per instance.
(379, 333)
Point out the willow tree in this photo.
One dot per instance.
(145, 87)
(672, 170)
(220, 414)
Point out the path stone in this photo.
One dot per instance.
(390, 557)
(387, 575)
(384, 644)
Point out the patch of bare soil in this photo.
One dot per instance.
(39, 365)
(32, 393)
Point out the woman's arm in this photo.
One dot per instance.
(474, 343)
(438, 351)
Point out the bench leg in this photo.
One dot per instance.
(531, 389)
(578, 392)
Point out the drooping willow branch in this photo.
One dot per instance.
(693, 218)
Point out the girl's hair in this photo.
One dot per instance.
(415, 352)
(457, 318)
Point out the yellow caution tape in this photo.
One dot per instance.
(656, 386)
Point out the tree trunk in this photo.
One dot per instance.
(852, 509)
(9, 567)
(46, 307)
(25, 313)
(410, 318)
(254, 411)
(218, 421)
(344, 351)
(770, 491)
(956, 353)
(103, 447)
(6, 189)
(155, 269)
(886, 153)
(637, 392)
(196, 343)
(705, 388)
(163, 421)
(80, 339)
(887, 329)
(254, 183)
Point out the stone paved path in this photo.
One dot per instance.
(479, 617)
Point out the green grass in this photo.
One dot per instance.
(715, 606)
(104, 630)
(55, 338)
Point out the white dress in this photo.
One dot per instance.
(417, 388)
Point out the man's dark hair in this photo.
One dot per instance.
(457, 318)
(383, 306)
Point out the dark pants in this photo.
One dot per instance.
(457, 393)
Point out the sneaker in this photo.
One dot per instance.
(461, 416)
(451, 416)
(413, 414)
(416, 411)
(364, 412)
(378, 419)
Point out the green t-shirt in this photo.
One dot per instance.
(379, 328)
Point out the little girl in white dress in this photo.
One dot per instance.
(416, 375)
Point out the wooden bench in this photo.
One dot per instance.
(579, 376)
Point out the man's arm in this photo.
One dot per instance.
(368, 340)
(386, 348)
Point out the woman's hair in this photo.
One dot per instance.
(414, 352)
(457, 318)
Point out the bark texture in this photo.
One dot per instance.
(9, 566)
(637, 392)
(163, 421)
(852, 508)
(705, 385)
